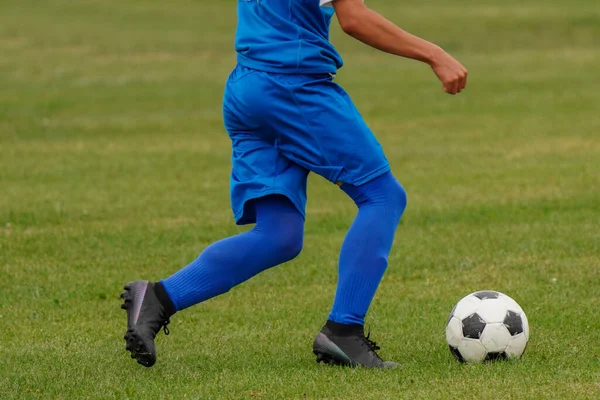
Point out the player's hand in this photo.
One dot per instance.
(450, 72)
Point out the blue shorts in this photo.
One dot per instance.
(284, 126)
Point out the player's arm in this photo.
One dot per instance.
(358, 21)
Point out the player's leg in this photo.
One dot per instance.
(266, 189)
(363, 261)
(319, 128)
(364, 254)
(275, 239)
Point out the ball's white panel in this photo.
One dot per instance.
(472, 350)
(517, 345)
(492, 310)
(511, 304)
(454, 332)
(525, 325)
(495, 337)
(466, 306)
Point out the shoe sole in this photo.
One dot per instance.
(330, 360)
(132, 299)
(329, 353)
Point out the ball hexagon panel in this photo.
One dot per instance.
(466, 306)
(486, 294)
(492, 310)
(517, 346)
(513, 322)
(454, 332)
(473, 326)
(510, 304)
(495, 337)
(472, 350)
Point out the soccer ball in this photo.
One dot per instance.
(487, 325)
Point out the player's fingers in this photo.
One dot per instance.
(461, 84)
(455, 84)
(462, 79)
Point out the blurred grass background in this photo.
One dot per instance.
(114, 166)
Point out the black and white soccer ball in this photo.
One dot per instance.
(487, 325)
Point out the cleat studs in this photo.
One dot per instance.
(321, 358)
(329, 360)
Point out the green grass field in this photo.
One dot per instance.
(114, 166)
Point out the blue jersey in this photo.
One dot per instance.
(286, 36)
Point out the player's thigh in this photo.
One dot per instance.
(321, 129)
(258, 170)
(258, 167)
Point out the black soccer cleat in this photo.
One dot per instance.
(146, 315)
(346, 345)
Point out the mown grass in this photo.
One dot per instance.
(114, 166)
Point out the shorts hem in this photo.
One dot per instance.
(241, 219)
(370, 176)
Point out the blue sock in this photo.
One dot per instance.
(364, 254)
(275, 239)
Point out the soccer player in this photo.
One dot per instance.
(286, 117)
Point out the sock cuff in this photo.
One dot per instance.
(339, 329)
(164, 298)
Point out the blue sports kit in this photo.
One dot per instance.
(286, 117)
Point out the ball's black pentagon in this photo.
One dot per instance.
(513, 322)
(497, 356)
(473, 326)
(459, 357)
(486, 294)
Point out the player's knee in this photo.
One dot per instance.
(398, 199)
(391, 195)
(288, 242)
(385, 192)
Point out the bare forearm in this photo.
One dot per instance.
(374, 30)
(371, 28)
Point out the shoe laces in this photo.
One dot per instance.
(159, 323)
(164, 326)
(371, 345)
